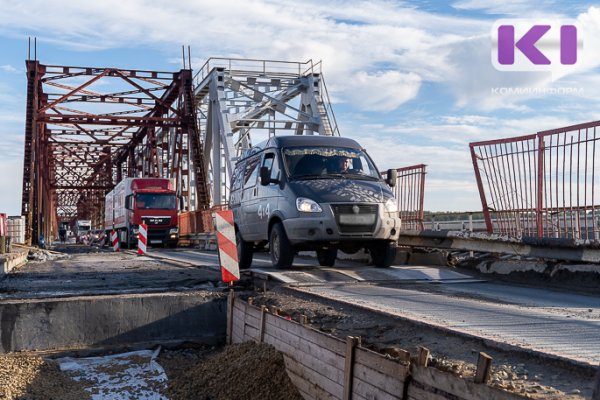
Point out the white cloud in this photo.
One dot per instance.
(441, 159)
(451, 194)
(9, 68)
(517, 8)
(383, 91)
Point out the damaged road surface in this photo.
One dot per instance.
(89, 271)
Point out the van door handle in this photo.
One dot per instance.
(255, 191)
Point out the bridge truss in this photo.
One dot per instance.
(87, 128)
(241, 102)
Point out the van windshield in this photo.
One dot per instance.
(318, 162)
(155, 201)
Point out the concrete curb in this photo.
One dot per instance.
(583, 277)
(10, 261)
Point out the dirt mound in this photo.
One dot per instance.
(245, 371)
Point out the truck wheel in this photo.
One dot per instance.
(245, 251)
(282, 252)
(326, 257)
(383, 254)
(126, 242)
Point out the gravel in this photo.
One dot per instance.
(26, 377)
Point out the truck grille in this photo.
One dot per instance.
(157, 234)
(355, 218)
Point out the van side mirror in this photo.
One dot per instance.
(391, 177)
(265, 176)
(180, 203)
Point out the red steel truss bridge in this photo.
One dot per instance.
(87, 128)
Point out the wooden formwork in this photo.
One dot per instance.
(325, 367)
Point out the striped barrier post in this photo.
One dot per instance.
(114, 240)
(142, 239)
(228, 259)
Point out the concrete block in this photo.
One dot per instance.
(591, 269)
(402, 257)
(507, 267)
(439, 258)
(97, 321)
(10, 261)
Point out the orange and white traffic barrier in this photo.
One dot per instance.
(228, 259)
(114, 240)
(142, 239)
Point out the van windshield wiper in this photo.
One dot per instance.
(307, 177)
(334, 175)
(343, 175)
(359, 175)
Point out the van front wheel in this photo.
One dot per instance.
(282, 252)
(245, 251)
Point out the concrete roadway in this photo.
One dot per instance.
(561, 324)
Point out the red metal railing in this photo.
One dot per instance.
(540, 185)
(410, 194)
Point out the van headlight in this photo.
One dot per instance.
(307, 205)
(174, 231)
(391, 206)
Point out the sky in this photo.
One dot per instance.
(412, 81)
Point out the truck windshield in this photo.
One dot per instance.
(328, 162)
(155, 201)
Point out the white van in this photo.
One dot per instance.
(319, 193)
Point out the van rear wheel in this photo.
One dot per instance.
(326, 257)
(245, 251)
(383, 254)
(282, 251)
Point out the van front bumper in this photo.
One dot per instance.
(324, 227)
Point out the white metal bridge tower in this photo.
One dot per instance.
(241, 101)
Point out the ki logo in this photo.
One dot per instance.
(528, 45)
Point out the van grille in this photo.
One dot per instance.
(350, 221)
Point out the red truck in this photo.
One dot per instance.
(142, 200)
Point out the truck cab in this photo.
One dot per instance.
(158, 210)
(151, 201)
(83, 227)
(318, 193)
